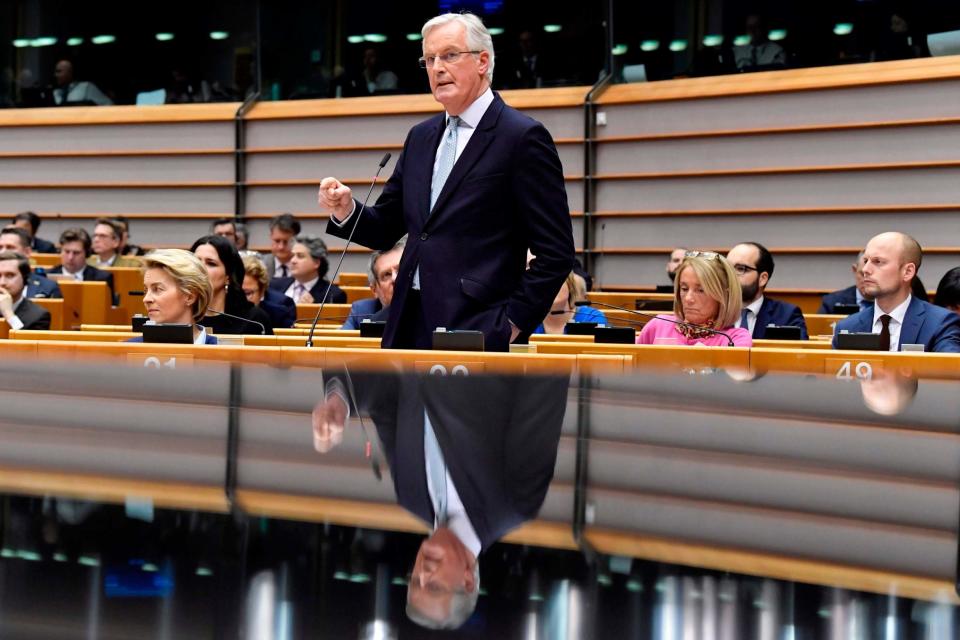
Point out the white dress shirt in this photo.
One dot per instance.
(78, 276)
(753, 308)
(457, 520)
(202, 336)
(307, 286)
(106, 263)
(896, 324)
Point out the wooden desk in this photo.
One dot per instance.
(172, 355)
(55, 307)
(670, 358)
(355, 293)
(353, 280)
(821, 325)
(333, 313)
(791, 344)
(84, 303)
(45, 260)
(125, 280)
(73, 336)
(856, 364)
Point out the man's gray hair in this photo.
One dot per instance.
(315, 246)
(478, 38)
(371, 273)
(462, 606)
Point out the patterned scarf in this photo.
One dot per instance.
(699, 331)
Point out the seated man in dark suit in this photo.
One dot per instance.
(17, 240)
(890, 263)
(30, 222)
(309, 266)
(75, 248)
(850, 295)
(381, 275)
(15, 308)
(754, 267)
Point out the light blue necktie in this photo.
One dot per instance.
(448, 155)
(437, 469)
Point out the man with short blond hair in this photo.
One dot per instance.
(889, 265)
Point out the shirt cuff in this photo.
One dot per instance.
(15, 323)
(340, 223)
(334, 387)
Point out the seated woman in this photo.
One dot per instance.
(564, 310)
(706, 299)
(176, 291)
(230, 312)
(281, 309)
(308, 268)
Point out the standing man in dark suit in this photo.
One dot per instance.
(17, 240)
(15, 308)
(754, 266)
(75, 247)
(472, 456)
(30, 222)
(889, 265)
(474, 188)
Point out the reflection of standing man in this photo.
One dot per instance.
(471, 456)
(474, 188)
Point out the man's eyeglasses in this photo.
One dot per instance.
(451, 57)
(743, 269)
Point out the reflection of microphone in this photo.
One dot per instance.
(699, 327)
(336, 272)
(263, 329)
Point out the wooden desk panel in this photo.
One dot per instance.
(55, 307)
(84, 303)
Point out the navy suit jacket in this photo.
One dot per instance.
(934, 327)
(40, 287)
(281, 309)
(844, 296)
(781, 314)
(504, 195)
(91, 274)
(361, 310)
(500, 455)
(33, 316)
(39, 245)
(337, 296)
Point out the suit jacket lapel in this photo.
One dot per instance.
(479, 142)
(912, 322)
(763, 317)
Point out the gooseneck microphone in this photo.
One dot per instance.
(699, 327)
(263, 329)
(336, 272)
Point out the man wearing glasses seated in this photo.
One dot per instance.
(754, 267)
